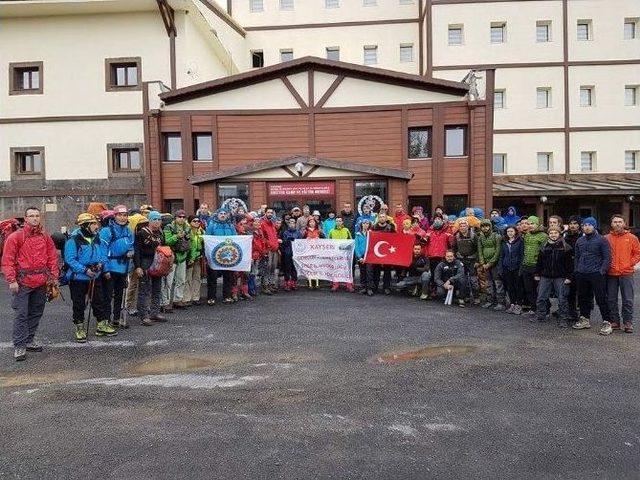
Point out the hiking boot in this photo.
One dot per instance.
(414, 292)
(476, 301)
(424, 296)
(227, 301)
(104, 328)
(115, 325)
(266, 291)
(20, 354)
(461, 303)
(499, 308)
(33, 346)
(159, 319)
(370, 293)
(179, 305)
(387, 291)
(362, 291)
(583, 322)
(211, 302)
(80, 334)
(615, 326)
(628, 327)
(334, 287)
(606, 329)
(350, 288)
(166, 309)
(123, 322)
(564, 324)
(147, 322)
(510, 309)
(246, 296)
(487, 305)
(517, 310)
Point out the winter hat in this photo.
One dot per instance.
(120, 209)
(438, 224)
(154, 215)
(590, 221)
(84, 218)
(181, 213)
(535, 220)
(315, 213)
(575, 218)
(485, 222)
(417, 209)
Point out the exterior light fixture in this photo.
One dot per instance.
(299, 168)
(543, 199)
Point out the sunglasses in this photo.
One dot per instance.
(181, 216)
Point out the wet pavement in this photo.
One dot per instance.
(321, 385)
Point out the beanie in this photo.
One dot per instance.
(575, 218)
(535, 220)
(153, 215)
(590, 221)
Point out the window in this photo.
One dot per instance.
(499, 163)
(369, 3)
(256, 5)
(630, 28)
(172, 206)
(420, 142)
(126, 160)
(587, 161)
(233, 190)
(373, 187)
(172, 147)
(455, 35)
(543, 31)
(498, 32)
(544, 162)
(29, 163)
(286, 4)
(499, 97)
(202, 146)
(631, 160)
(333, 53)
(25, 78)
(631, 95)
(371, 55)
(406, 53)
(455, 141)
(584, 30)
(286, 55)
(586, 96)
(406, 2)
(331, 3)
(455, 203)
(257, 58)
(123, 74)
(543, 97)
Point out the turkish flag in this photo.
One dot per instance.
(385, 248)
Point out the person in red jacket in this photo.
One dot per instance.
(269, 262)
(625, 255)
(400, 216)
(29, 263)
(438, 242)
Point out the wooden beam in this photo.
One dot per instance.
(294, 92)
(332, 88)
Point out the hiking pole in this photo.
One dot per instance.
(90, 291)
(449, 299)
(124, 313)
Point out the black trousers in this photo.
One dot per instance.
(79, 290)
(212, 283)
(373, 276)
(530, 286)
(289, 268)
(572, 300)
(113, 291)
(513, 284)
(364, 275)
(590, 285)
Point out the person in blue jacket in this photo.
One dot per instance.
(85, 256)
(118, 240)
(286, 249)
(329, 223)
(497, 221)
(360, 249)
(220, 225)
(366, 214)
(511, 255)
(512, 217)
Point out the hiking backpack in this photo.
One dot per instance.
(7, 227)
(162, 264)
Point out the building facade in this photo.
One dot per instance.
(560, 76)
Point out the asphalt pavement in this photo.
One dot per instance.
(321, 385)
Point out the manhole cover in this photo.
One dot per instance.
(427, 352)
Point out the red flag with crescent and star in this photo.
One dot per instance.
(389, 248)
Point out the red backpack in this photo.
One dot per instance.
(7, 227)
(162, 262)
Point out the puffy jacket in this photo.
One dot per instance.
(625, 253)
(438, 243)
(555, 260)
(592, 254)
(489, 248)
(220, 229)
(448, 271)
(81, 252)
(533, 242)
(340, 233)
(571, 238)
(499, 224)
(144, 248)
(512, 217)
(29, 257)
(466, 246)
(270, 235)
(312, 233)
(360, 245)
(348, 219)
(371, 217)
(288, 236)
(118, 240)
(171, 239)
(258, 244)
(328, 225)
(134, 220)
(196, 244)
(511, 254)
(400, 217)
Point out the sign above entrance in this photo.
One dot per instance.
(289, 189)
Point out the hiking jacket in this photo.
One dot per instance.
(315, 233)
(625, 253)
(144, 248)
(118, 240)
(448, 271)
(489, 248)
(171, 239)
(466, 246)
(371, 217)
(388, 227)
(80, 253)
(533, 242)
(438, 243)
(340, 234)
(327, 225)
(29, 257)
(592, 254)
(511, 218)
(196, 244)
(571, 239)
(349, 219)
(288, 236)
(555, 260)
(258, 244)
(270, 235)
(360, 246)
(418, 266)
(511, 254)
(220, 229)
(400, 217)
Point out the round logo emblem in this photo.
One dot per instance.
(299, 247)
(232, 204)
(372, 201)
(226, 254)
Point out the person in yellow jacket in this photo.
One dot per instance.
(194, 267)
(340, 232)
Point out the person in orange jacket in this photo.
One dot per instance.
(625, 255)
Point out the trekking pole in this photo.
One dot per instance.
(90, 291)
(124, 313)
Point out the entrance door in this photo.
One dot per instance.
(283, 196)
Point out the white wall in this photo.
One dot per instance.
(522, 150)
(609, 148)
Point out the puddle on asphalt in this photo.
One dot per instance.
(426, 352)
(180, 363)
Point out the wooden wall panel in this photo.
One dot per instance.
(170, 123)
(374, 138)
(201, 123)
(252, 138)
(397, 193)
(456, 178)
(344, 193)
(201, 167)
(420, 117)
(257, 194)
(456, 115)
(420, 184)
(478, 141)
(154, 175)
(172, 180)
(206, 194)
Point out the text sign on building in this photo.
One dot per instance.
(288, 189)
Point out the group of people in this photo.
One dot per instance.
(503, 262)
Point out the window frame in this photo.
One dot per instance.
(13, 86)
(16, 152)
(635, 157)
(634, 89)
(286, 51)
(165, 146)
(429, 130)
(503, 156)
(455, 26)
(547, 25)
(113, 148)
(634, 27)
(253, 53)
(383, 184)
(327, 5)
(590, 91)
(221, 186)
(332, 49)
(254, 10)
(503, 92)
(410, 47)
(373, 48)
(549, 102)
(111, 63)
(589, 24)
(287, 9)
(592, 159)
(503, 28)
(369, 3)
(549, 159)
(194, 146)
(465, 143)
